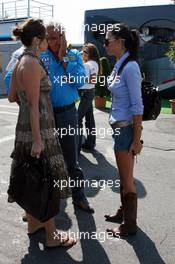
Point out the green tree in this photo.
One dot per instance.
(101, 86)
(171, 52)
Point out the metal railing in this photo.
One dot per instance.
(25, 8)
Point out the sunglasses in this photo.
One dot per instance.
(85, 51)
(107, 41)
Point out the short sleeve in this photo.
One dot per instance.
(87, 69)
(93, 66)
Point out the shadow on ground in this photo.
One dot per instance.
(104, 171)
(92, 249)
(145, 248)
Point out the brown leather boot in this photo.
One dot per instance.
(118, 216)
(129, 227)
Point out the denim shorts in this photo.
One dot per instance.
(123, 138)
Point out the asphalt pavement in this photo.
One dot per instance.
(155, 181)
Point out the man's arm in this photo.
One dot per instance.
(7, 79)
(10, 67)
(12, 95)
(75, 68)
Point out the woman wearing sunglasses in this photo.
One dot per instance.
(126, 121)
(91, 61)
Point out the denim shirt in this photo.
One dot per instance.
(126, 91)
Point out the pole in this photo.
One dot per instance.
(2, 11)
(52, 11)
(28, 10)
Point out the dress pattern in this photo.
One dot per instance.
(23, 135)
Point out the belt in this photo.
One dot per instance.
(64, 108)
(120, 124)
(86, 90)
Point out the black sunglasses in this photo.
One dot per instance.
(85, 51)
(107, 41)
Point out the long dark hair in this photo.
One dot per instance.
(28, 30)
(93, 54)
(130, 37)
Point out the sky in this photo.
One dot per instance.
(71, 12)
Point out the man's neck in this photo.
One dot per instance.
(55, 54)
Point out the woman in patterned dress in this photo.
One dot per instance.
(35, 128)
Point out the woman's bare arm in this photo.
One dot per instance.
(137, 125)
(136, 146)
(93, 78)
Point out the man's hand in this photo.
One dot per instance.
(63, 47)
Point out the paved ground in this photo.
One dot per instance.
(155, 177)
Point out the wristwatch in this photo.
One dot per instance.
(66, 59)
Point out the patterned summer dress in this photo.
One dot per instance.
(23, 138)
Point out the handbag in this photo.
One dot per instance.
(151, 101)
(32, 187)
(150, 97)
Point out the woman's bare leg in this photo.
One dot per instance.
(53, 238)
(125, 164)
(33, 224)
(51, 233)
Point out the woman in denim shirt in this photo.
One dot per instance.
(126, 120)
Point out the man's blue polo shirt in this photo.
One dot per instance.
(64, 89)
(64, 81)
